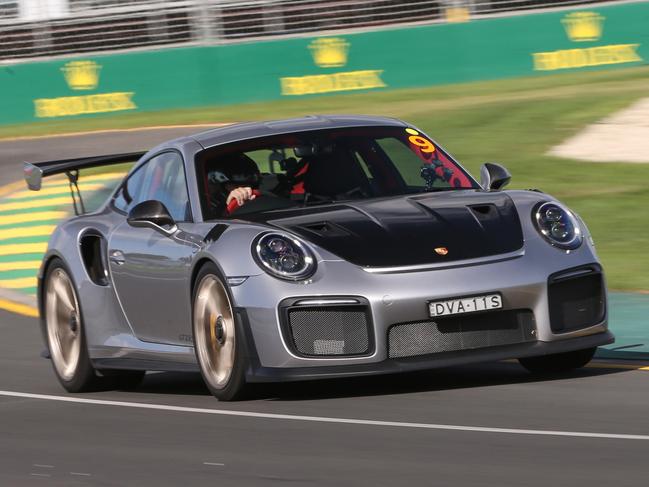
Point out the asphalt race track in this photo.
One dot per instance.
(48, 442)
(480, 425)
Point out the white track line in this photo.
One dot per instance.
(321, 419)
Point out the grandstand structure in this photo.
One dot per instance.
(32, 29)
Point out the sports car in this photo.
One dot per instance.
(352, 246)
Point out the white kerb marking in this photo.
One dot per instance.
(213, 464)
(323, 419)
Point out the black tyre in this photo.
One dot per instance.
(64, 331)
(220, 352)
(558, 363)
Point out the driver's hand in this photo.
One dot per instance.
(241, 195)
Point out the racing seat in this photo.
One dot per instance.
(337, 175)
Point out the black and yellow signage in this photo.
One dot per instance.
(329, 83)
(331, 52)
(585, 27)
(83, 75)
(80, 105)
(591, 56)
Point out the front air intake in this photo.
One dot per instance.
(463, 332)
(327, 329)
(576, 298)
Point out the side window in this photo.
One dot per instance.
(126, 197)
(162, 178)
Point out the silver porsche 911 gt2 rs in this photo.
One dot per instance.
(312, 248)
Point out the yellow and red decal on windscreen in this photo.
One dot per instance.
(445, 169)
(416, 139)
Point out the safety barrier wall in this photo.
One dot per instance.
(584, 39)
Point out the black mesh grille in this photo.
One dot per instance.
(329, 331)
(576, 301)
(461, 333)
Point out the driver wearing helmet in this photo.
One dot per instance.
(233, 177)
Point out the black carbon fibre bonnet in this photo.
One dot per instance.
(407, 230)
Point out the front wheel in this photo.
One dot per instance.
(219, 351)
(558, 362)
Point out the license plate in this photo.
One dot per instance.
(471, 304)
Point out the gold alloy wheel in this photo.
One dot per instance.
(214, 332)
(63, 321)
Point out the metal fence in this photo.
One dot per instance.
(45, 28)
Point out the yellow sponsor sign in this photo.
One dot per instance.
(591, 56)
(458, 14)
(585, 27)
(81, 105)
(329, 83)
(81, 75)
(331, 52)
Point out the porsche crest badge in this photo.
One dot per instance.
(441, 250)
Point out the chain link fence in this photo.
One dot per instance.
(45, 28)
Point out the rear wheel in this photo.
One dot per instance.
(219, 351)
(66, 340)
(64, 331)
(559, 362)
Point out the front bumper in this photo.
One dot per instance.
(523, 282)
(259, 373)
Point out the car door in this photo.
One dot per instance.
(150, 270)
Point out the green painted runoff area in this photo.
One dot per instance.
(629, 322)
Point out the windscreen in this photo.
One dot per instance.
(324, 167)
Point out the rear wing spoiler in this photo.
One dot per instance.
(34, 172)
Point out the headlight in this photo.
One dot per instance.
(558, 225)
(284, 256)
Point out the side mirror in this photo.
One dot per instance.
(152, 214)
(494, 177)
